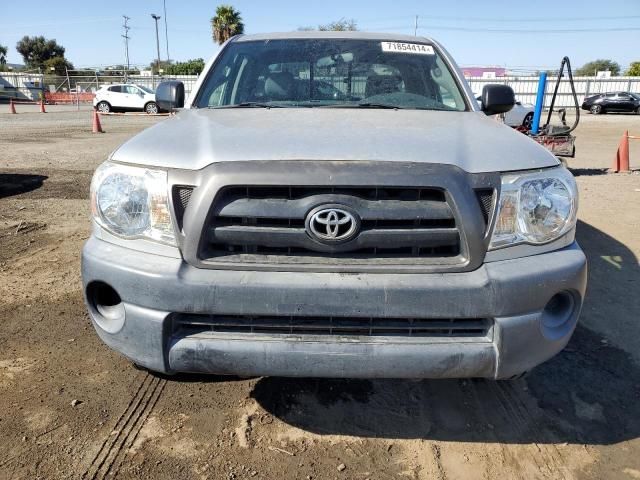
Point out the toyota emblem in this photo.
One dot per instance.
(331, 224)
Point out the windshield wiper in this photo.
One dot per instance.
(361, 105)
(378, 105)
(384, 106)
(249, 105)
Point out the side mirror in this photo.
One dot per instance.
(497, 99)
(170, 95)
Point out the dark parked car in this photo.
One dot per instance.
(612, 102)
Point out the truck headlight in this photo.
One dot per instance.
(535, 208)
(132, 202)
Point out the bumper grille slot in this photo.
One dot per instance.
(267, 224)
(181, 197)
(186, 324)
(485, 198)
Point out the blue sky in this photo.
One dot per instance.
(525, 35)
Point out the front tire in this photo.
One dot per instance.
(151, 108)
(596, 109)
(103, 107)
(528, 121)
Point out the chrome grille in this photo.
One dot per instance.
(396, 222)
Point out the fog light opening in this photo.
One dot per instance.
(558, 315)
(107, 306)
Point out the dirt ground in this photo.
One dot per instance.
(72, 408)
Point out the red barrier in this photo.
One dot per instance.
(64, 97)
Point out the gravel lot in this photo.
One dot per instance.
(72, 408)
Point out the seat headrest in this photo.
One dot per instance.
(279, 86)
(380, 84)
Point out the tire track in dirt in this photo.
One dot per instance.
(515, 409)
(519, 423)
(481, 412)
(112, 451)
(437, 458)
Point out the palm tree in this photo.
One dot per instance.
(226, 24)
(3, 55)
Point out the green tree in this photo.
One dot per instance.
(190, 67)
(36, 50)
(634, 69)
(342, 25)
(590, 68)
(226, 24)
(163, 65)
(119, 70)
(57, 65)
(3, 55)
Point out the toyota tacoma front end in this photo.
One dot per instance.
(334, 205)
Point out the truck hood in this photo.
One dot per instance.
(196, 138)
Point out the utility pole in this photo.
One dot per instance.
(166, 30)
(156, 18)
(126, 44)
(415, 27)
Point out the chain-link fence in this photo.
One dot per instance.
(79, 86)
(75, 86)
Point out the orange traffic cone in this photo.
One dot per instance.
(621, 160)
(12, 107)
(97, 127)
(42, 110)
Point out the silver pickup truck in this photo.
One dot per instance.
(336, 205)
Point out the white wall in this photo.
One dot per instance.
(21, 85)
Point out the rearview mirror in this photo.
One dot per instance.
(497, 99)
(170, 95)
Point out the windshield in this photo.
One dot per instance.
(331, 73)
(145, 89)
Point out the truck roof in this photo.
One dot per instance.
(317, 34)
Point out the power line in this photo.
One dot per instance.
(505, 30)
(532, 19)
(521, 30)
(367, 21)
(75, 21)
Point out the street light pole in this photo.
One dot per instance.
(156, 18)
(166, 30)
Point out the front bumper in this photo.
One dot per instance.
(511, 292)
